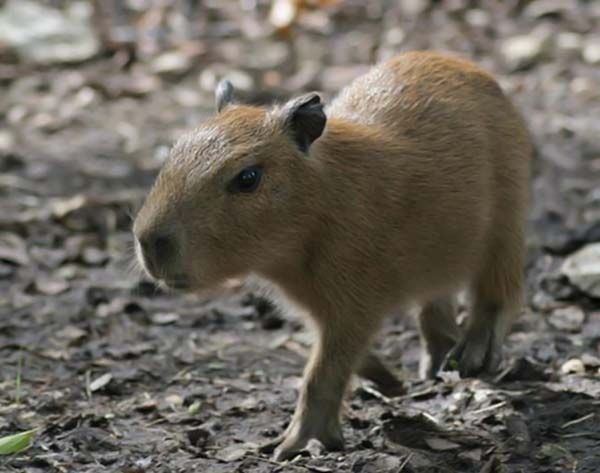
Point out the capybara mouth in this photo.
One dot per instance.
(180, 283)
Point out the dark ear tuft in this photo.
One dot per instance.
(223, 94)
(306, 119)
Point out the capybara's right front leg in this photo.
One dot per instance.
(339, 349)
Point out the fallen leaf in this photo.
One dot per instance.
(473, 455)
(174, 400)
(13, 249)
(440, 444)
(572, 366)
(71, 333)
(100, 382)
(231, 453)
(51, 287)
(164, 318)
(16, 443)
(147, 406)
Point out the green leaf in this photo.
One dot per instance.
(15, 443)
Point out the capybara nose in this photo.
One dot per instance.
(156, 249)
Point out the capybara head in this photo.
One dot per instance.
(232, 197)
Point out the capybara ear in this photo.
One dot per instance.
(305, 119)
(223, 94)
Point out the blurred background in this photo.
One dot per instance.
(119, 376)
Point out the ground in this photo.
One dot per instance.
(117, 375)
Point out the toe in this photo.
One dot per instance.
(493, 360)
(472, 360)
(269, 446)
(474, 356)
(332, 439)
(290, 448)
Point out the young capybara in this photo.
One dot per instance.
(410, 186)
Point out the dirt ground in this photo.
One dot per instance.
(121, 377)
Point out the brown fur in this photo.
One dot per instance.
(416, 189)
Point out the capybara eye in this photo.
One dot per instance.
(247, 180)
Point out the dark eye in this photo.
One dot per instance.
(247, 180)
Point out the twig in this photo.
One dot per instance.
(88, 380)
(405, 462)
(375, 393)
(577, 421)
(18, 379)
(489, 408)
(502, 374)
(273, 462)
(422, 392)
(430, 418)
(578, 434)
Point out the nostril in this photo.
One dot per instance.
(156, 245)
(162, 244)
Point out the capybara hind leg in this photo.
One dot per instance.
(480, 350)
(439, 333)
(496, 300)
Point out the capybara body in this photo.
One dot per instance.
(409, 187)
